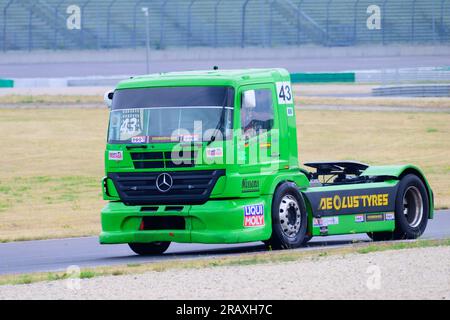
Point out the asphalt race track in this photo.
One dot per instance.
(55, 255)
(336, 64)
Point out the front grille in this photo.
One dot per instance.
(155, 160)
(189, 187)
(148, 164)
(146, 155)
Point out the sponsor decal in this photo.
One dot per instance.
(254, 215)
(360, 201)
(214, 152)
(163, 139)
(189, 137)
(290, 112)
(389, 216)
(130, 123)
(139, 139)
(324, 230)
(115, 155)
(316, 222)
(369, 200)
(374, 217)
(264, 145)
(250, 185)
(284, 92)
(326, 221)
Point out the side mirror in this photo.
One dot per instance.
(249, 99)
(108, 98)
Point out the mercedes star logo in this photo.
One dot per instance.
(164, 182)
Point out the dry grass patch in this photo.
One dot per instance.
(440, 103)
(381, 138)
(332, 88)
(49, 99)
(51, 165)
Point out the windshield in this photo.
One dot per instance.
(171, 114)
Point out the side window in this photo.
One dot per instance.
(257, 114)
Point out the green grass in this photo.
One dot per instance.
(87, 274)
(50, 182)
(227, 261)
(25, 279)
(400, 245)
(51, 189)
(40, 203)
(117, 272)
(57, 276)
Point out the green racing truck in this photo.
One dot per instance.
(212, 157)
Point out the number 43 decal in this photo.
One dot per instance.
(284, 92)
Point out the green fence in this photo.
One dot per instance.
(6, 83)
(322, 77)
(46, 24)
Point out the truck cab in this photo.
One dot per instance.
(212, 157)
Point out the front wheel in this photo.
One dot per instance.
(411, 211)
(288, 218)
(149, 249)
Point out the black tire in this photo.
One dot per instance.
(290, 233)
(149, 249)
(306, 239)
(412, 209)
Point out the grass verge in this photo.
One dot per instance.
(435, 103)
(52, 165)
(239, 260)
(50, 99)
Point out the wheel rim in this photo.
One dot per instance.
(290, 217)
(413, 206)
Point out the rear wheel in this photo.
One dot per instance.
(306, 239)
(148, 249)
(411, 211)
(288, 218)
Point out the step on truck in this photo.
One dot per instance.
(212, 157)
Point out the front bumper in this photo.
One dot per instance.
(216, 221)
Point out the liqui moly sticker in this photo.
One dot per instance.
(115, 155)
(214, 152)
(254, 215)
(139, 139)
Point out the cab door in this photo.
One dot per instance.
(258, 147)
